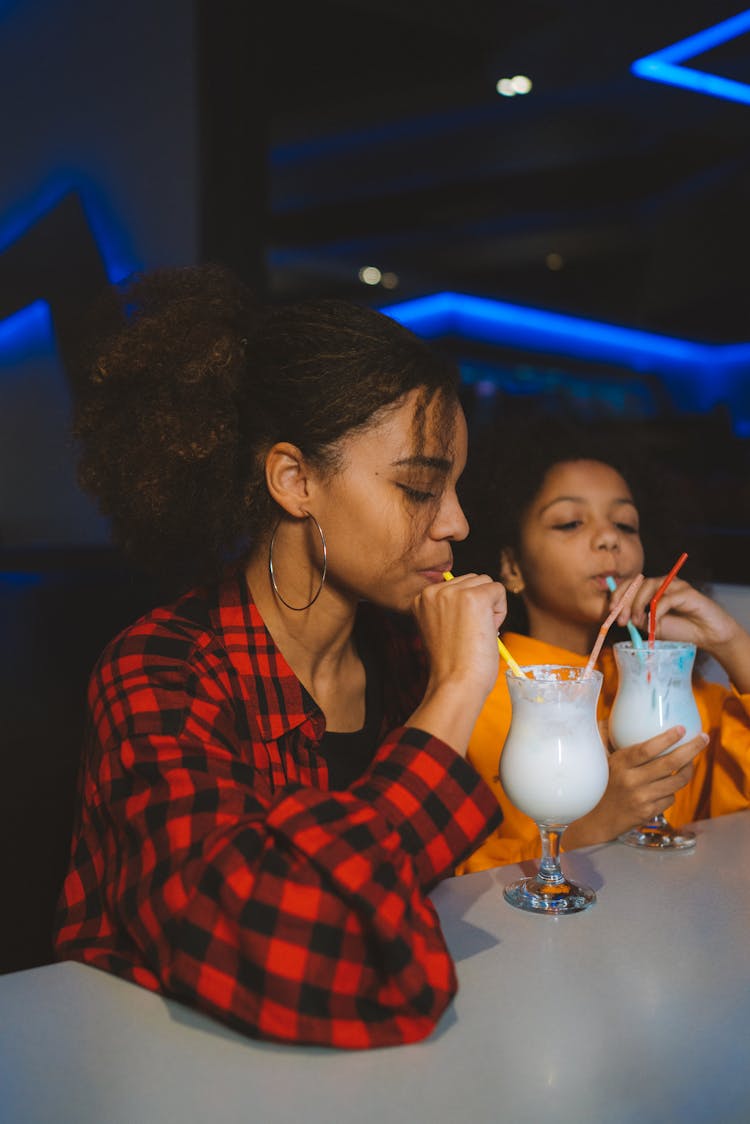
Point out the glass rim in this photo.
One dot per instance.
(592, 676)
(656, 646)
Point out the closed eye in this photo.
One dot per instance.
(415, 495)
(627, 528)
(570, 526)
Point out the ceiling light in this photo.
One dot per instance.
(521, 84)
(370, 275)
(509, 87)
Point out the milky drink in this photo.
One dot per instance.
(654, 692)
(553, 764)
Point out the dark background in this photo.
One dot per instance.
(302, 142)
(299, 143)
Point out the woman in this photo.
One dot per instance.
(275, 778)
(568, 521)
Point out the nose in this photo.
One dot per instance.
(606, 537)
(450, 521)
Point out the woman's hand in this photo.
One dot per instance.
(684, 614)
(459, 622)
(643, 780)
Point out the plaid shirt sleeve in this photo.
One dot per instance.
(290, 912)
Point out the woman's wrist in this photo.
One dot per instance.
(449, 711)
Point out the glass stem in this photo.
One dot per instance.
(549, 867)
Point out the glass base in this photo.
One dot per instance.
(536, 896)
(659, 837)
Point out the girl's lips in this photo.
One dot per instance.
(601, 581)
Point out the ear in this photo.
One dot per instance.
(288, 478)
(510, 571)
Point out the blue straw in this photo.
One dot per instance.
(635, 635)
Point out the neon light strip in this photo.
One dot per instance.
(111, 239)
(25, 332)
(661, 66)
(699, 375)
(512, 325)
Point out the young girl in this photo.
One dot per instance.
(559, 520)
(274, 778)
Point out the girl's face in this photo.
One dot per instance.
(580, 529)
(390, 513)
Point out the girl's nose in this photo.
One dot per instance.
(607, 538)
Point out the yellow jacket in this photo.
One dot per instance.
(721, 773)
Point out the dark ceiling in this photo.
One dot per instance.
(390, 147)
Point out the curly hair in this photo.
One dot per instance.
(187, 382)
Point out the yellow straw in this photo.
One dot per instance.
(448, 577)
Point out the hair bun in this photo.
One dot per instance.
(156, 409)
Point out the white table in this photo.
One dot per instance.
(636, 1011)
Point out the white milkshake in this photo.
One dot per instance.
(654, 692)
(554, 765)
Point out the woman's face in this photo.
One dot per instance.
(580, 529)
(390, 512)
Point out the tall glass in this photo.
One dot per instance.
(554, 768)
(654, 692)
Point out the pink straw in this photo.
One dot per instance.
(625, 600)
(655, 599)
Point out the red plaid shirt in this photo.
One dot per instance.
(211, 863)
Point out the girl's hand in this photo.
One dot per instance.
(686, 615)
(682, 613)
(643, 780)
(459, 622)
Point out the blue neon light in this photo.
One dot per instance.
(498, 322)
(25, 333)
(701, 374)
(31, 329)
(665, 65)
(111, 238)
(20, 579)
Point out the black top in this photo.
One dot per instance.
(348, 755)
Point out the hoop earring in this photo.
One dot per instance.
(299, 608)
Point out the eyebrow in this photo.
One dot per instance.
(580, 499)
(439, 464)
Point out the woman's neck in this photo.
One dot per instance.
(317, 642)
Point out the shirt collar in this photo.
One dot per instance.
(276, 701)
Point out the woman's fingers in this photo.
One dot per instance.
(459, 621)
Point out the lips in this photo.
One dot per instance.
(435, 573)
(601, 579)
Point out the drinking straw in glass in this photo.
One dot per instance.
(655, 599)
(626, 599)
(635, 635)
